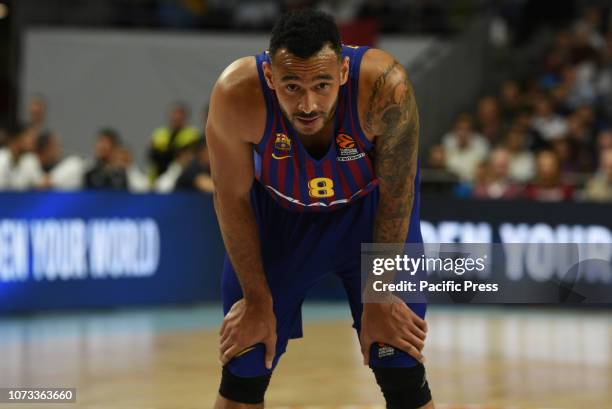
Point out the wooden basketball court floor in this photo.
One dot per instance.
(478, 358)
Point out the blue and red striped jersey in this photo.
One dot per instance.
(292, 176)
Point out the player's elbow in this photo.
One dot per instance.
(228, 205)
(228, 195)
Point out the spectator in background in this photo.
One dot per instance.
(435, 176)
(497, 183)
(523, 119)
(547, 185)
(559, 54)
(587, 117)
(436, 159)
(586, 42)
(181, 14)
(604, 140)
(105, 174)
(196, 175)
(28, 138)
(579, 83)
(580, 141)
(19, 168)
(59, 173)
(489, 120)
(546, 122)
(521, 167)
(464, 148)
(256, 14)
(590, 25)
(168, 140)
(599, 188)
(510, 102)
(465, 189)
(166, 182)
(37, 112)
(47, 150)
(523, 122)
(562, 149)
(137, 181)
(560, 109)
(558, 97)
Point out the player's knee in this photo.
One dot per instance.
(403, 388)
(250, 390)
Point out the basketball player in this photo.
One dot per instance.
(313, 147)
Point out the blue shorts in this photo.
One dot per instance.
(299, 250)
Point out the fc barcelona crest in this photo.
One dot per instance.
(282, 143)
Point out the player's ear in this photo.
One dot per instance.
(344, 70)
(267, 71)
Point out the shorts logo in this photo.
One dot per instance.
(282, 146)
(347, 148)
(385, 350)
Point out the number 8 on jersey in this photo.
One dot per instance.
(321, 187)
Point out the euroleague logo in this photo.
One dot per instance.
(385, 350)
(347, 148)
(345, 141)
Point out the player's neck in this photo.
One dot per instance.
(317, 145)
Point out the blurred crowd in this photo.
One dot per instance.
(423, 16)
(547, 137)
(31, 158)
(434, 16)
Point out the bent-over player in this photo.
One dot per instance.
(313, 147)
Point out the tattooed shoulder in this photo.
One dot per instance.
(391, 116)
(391, 100)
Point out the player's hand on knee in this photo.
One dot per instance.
(246, 325)
(395, 324)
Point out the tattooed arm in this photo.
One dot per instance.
(392, 118)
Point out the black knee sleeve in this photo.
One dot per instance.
(243, 390)
(403, 388)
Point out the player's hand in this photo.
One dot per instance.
(244, 326)
(395, 324)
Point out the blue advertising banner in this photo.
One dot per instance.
(106, 249)
(94, 249)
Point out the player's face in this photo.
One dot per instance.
(307, 89)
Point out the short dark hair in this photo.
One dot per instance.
(305, 32)
(181, 105)
(110, 134)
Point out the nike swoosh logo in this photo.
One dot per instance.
(280, 157)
